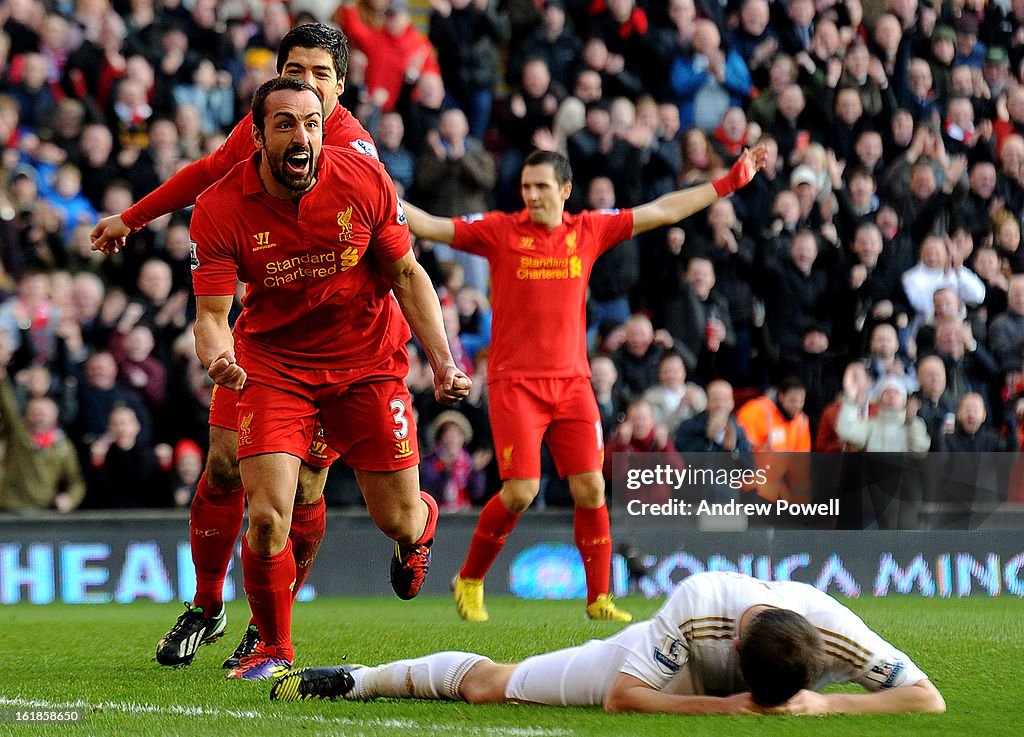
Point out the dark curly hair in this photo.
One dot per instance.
(316, 36)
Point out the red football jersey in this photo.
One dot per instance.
(341, 128)
(539, 285)
(316, 293)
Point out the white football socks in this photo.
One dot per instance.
(436, 676)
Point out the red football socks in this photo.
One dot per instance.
(430, 526)
(309, 522)
(268, 586)
(495, 524)
(214, 523)
(594, 539)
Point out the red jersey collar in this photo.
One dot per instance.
(338, 118)
(251, 183)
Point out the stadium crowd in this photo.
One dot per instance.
(865, 291)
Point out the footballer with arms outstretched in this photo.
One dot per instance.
(318, 54)
(538, 374)
(723, 643)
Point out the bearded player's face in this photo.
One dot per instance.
(292, 140)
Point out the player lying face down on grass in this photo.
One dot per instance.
(723, 643)
(317, 235)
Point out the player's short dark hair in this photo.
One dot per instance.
(259, 100)
(780, 654)
(316, 36)
(560, 164)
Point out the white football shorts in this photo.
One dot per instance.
(575, 676)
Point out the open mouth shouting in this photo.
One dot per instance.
(295, 169)
(297, 162)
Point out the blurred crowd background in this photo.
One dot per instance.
(878, 256)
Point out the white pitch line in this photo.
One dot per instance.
(203, 711)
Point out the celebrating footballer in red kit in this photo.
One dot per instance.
(318, 54)
(319, 238)
(538, 376)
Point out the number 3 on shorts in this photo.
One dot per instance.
(397, 407)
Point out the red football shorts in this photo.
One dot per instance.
(224, 413)
(561, 411)
(366, 413)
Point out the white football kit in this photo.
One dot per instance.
(687, 647)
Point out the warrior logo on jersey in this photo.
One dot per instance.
(887, 674)
(667, 656)
(262, 241)
(364, 147)
(345, 224)
(526, 242)
(193, 257)
(401, 213)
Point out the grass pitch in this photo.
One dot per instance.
(101, 658)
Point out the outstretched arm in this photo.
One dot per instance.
(920, 697)
(630, 694)
(675, 206)
(177, 192)
(424, 225)
(419, 303)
